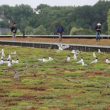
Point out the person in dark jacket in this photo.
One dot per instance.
(98, 31)
(60, 31)
(13, 29)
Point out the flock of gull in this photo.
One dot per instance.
(75, 53)
(10, 62)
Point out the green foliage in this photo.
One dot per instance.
(29, 30)
(80, 31)
(41, 30)
(108, 21)
(85, 17)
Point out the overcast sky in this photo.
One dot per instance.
(35, 3)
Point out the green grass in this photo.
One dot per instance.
(55, 85)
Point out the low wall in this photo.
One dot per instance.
(56, 36)
(88, 48)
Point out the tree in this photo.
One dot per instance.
(29, 30)
(108, 21)
(41, 30)
(80, 31)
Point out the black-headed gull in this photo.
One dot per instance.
(15, 61)
(94, 61)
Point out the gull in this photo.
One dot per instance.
(75, 56)
(2, 53)
(94, 61)
(68, 58)
(9, 63)
(81, 61)
(107, 61)
(15, 61)
(40, 59)
(9, 57)
(65, 46)
(50, 59)
(62, 47)
(94, 55)
(43, 59)
(73, 51)
(1, 62)
(99, 51)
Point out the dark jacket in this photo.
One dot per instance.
(13, 29)
(98, 29)
(60, 29)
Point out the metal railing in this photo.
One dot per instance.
(56, 36)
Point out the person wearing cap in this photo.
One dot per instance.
(13, 29)
(60, 31)
(98, 31)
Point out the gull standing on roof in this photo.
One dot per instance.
(65, 46)
(1, 62)
(94, 55)
(81, 61)
(68, 58)
(94, 61)
(107, 61)
(15, 61)
(73, 51)
(62, 47)
(75, 56)
(9, 57)
(50, 59)
(99, 51)
(9, 63)
(43, 60)
(2, 53)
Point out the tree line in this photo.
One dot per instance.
(44, 19)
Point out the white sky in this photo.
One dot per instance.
(35, 3)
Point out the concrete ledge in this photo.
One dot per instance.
(56, 36)
(88, 48)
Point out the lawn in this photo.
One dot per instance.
(55, 85)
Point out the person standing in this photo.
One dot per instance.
(13, 29)
(60, 31)
(98, 31)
